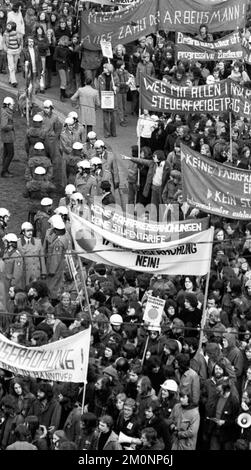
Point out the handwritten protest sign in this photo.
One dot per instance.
(153, 310)
(106, 48)
(227, 48)
(217, 98)
(215, 188)
(187, 256)
(150, 16)
(65, 360)
(107, 100)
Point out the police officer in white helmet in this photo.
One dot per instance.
(33, 254)
(69, 190)
(85, 182)
(13, 262)
(36, 133)
(57, 243)
(52, 127)
(89, 149)
(41, 219)
(77, 154)
(38, 158)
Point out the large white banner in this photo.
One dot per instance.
(191, 255)
(65, 360)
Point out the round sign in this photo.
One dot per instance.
(86, 240)
(153, 313)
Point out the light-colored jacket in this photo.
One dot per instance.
(33, 261)
(88, 101)
(110, 168)
(187, 422)
(17, 17)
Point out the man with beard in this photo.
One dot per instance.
(215, 356)
(46, 408)
(209, 396)
(226, 407)
(38, 296)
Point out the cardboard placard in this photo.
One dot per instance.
(107, 100)
(106, 47)
(154, 310)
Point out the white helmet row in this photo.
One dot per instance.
(92, 135)
(27, 226)
(78, 146)
(48, 104)
(61, 210)
(69, 189)
(37, 118)
(40, 170)
(57, 222)
(69, 121)
(10, 237)
(85, 164)
(39, 146)
(4, 212)
(98, 144)
(96, 161)
(46, 201)
(8, 100)
(73, 114)
(77, 197)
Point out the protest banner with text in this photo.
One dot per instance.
(215, 188)
(217, 98)
(227, 48)
(65, 360)
(144, 232)
(188, 256)
(149, 16)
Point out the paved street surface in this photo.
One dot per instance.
(126, 136)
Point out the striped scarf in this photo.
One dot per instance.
(13, 40)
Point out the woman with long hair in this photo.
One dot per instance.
(62, 56)
(21, 302)
(50, 65)
(42, 43)
(37, 433)
(19, 389)
(102, 391)
(42, 21)
(146, 394)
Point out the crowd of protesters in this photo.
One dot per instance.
(148, 387)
